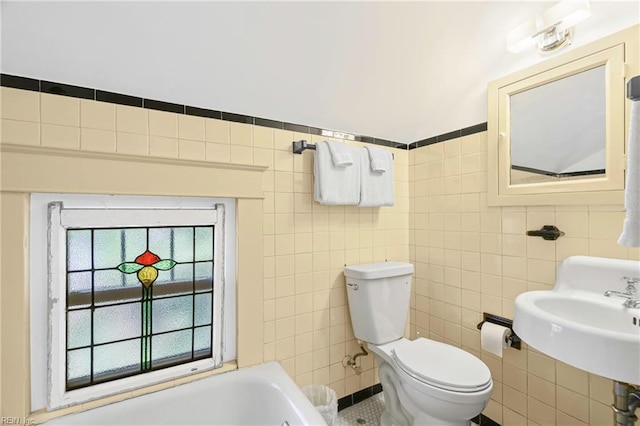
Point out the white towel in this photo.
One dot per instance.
(376, 188)
(335, 185)
(381, 160)
(630, 236)
(341, 154)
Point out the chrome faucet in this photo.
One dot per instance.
(630, 293)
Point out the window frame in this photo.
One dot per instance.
(59, 218)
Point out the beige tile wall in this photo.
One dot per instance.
(306, 322)
(471, 258)
(306, 246)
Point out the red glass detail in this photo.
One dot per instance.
(147, 258)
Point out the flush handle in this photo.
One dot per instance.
(353, 286)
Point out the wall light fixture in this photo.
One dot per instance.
(551, 29)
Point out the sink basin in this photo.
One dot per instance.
(576, 324)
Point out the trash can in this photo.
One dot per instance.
(325, 401)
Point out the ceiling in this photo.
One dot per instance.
(402, 71)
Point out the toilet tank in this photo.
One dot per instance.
(379, 296)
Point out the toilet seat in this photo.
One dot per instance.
(442, 366)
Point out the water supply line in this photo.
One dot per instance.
(626, 399)
(350, 361)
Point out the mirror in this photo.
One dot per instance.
(556, 130)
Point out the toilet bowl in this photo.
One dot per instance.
(425, 382)
(434, 383)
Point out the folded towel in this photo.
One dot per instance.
(376, 188)
(341, 154)
(335, 185)
(630, 236)
(381, 160)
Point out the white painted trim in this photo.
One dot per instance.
(56, 336)
(106, 218)
(217, 341)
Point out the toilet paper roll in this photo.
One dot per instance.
(493, 338)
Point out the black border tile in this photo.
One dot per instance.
(426, 142)
(265, 122)
(384, 142)
(67, 90)
(17, 82)
(296, 127)
(345, 402)
(162, 106)
(483, 420)
(377, 388)
(448, 136)
(477, 128)
(237, 118)
(361, 395)
(202, 112)
(25, 83)
(118, 98)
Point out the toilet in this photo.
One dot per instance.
(425, 382)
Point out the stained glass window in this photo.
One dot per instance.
(138, 299)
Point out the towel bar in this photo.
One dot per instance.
(302, 145)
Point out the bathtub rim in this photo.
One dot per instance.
(270, 372)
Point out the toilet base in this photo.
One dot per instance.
(400, 409)
(387, 419)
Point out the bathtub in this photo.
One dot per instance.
(260, 395)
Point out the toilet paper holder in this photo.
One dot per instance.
(513, 340)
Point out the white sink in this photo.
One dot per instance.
(576, 324)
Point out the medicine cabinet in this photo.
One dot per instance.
(557, 130)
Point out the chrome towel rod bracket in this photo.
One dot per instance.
(302, 145)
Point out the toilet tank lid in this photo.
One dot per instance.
(370, 271)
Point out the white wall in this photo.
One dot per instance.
(402, 71)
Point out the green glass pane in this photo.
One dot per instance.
(78, 250)
(116, 322)
(78, 367)
(204, 276)
(164, 265)
(204, 243)
(203, 309)
(171, 348)
(116, 359)
(178, 280)
(202, 341)
(115, 246)
(78, 289)
(78, 328)
(129, 267)
(172, 314)
(113, 286)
